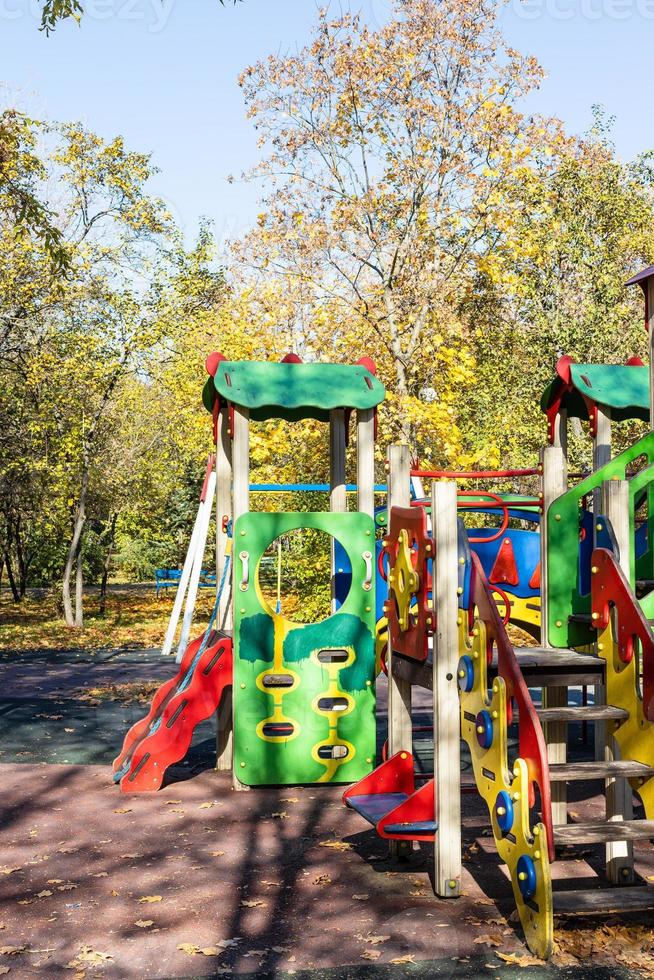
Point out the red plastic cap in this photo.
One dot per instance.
(291, 358)
(368, 363)
(213, 361)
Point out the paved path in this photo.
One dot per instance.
(269, 883)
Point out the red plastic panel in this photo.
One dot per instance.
(610, 588)
(164, 735)
(413, 641)
(393, 776)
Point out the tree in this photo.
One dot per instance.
(388, 154)
(54, 11)
(581, 222)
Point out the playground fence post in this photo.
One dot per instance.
(619, 797)
(447, 753)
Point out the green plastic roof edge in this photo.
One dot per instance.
(293, 391)
(622, 388)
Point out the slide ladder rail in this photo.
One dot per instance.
(563, 525)
(509, 793)
(163, 737)
(626, 644)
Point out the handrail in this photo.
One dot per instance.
(531, 741)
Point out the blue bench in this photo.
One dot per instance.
(168, 578)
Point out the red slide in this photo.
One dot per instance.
(164, 735)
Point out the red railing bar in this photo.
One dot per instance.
(474, 474)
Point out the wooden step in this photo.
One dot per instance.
(542, 666)
(561, 772)
(589, 712)
(602, 901)
(603, 831)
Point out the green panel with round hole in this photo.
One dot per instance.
(304, 695)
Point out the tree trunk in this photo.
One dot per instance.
(20, 558)
(107, 562)
(79, 587)
(10, 575)
(73, 549)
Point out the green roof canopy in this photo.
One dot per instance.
(621, 388)
(291, 390)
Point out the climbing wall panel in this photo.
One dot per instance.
(304, 696)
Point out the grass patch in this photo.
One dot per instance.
(132, 621)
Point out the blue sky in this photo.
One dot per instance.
(163, 74)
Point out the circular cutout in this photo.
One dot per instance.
(295, 575)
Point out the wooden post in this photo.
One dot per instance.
(337, 492)
(619, 797)
(366, 461)
(561, 431)
(399, 690)
(241, 499)
(400, 726)
(601, 450)
(241, 462)
(225, 617)
(555, 482)
(447, 749)
(650, 338)
(601, 456)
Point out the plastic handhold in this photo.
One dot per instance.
(484, 729)
(526, 877)
(504, 811)
(466, 674)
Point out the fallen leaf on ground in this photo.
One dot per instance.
(338, 845)
(289, 799)
(9, 871)
(46, 893)
(370, 954)
(409, 958)
(375, 940)
(524, 960)
(207, 806)
(4, 969)
(216, 854)
(361, 898)
(281, 815)
(255, 903)
(128, 856)
(25, 901)
(144, 923)
(172, 802)
(189, 948)
(488, 940)
(150, 898)
(322, 880)
(12, 950)
(69, 886)
(89, 955)
(125, 809)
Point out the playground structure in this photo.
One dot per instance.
(573, 566)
